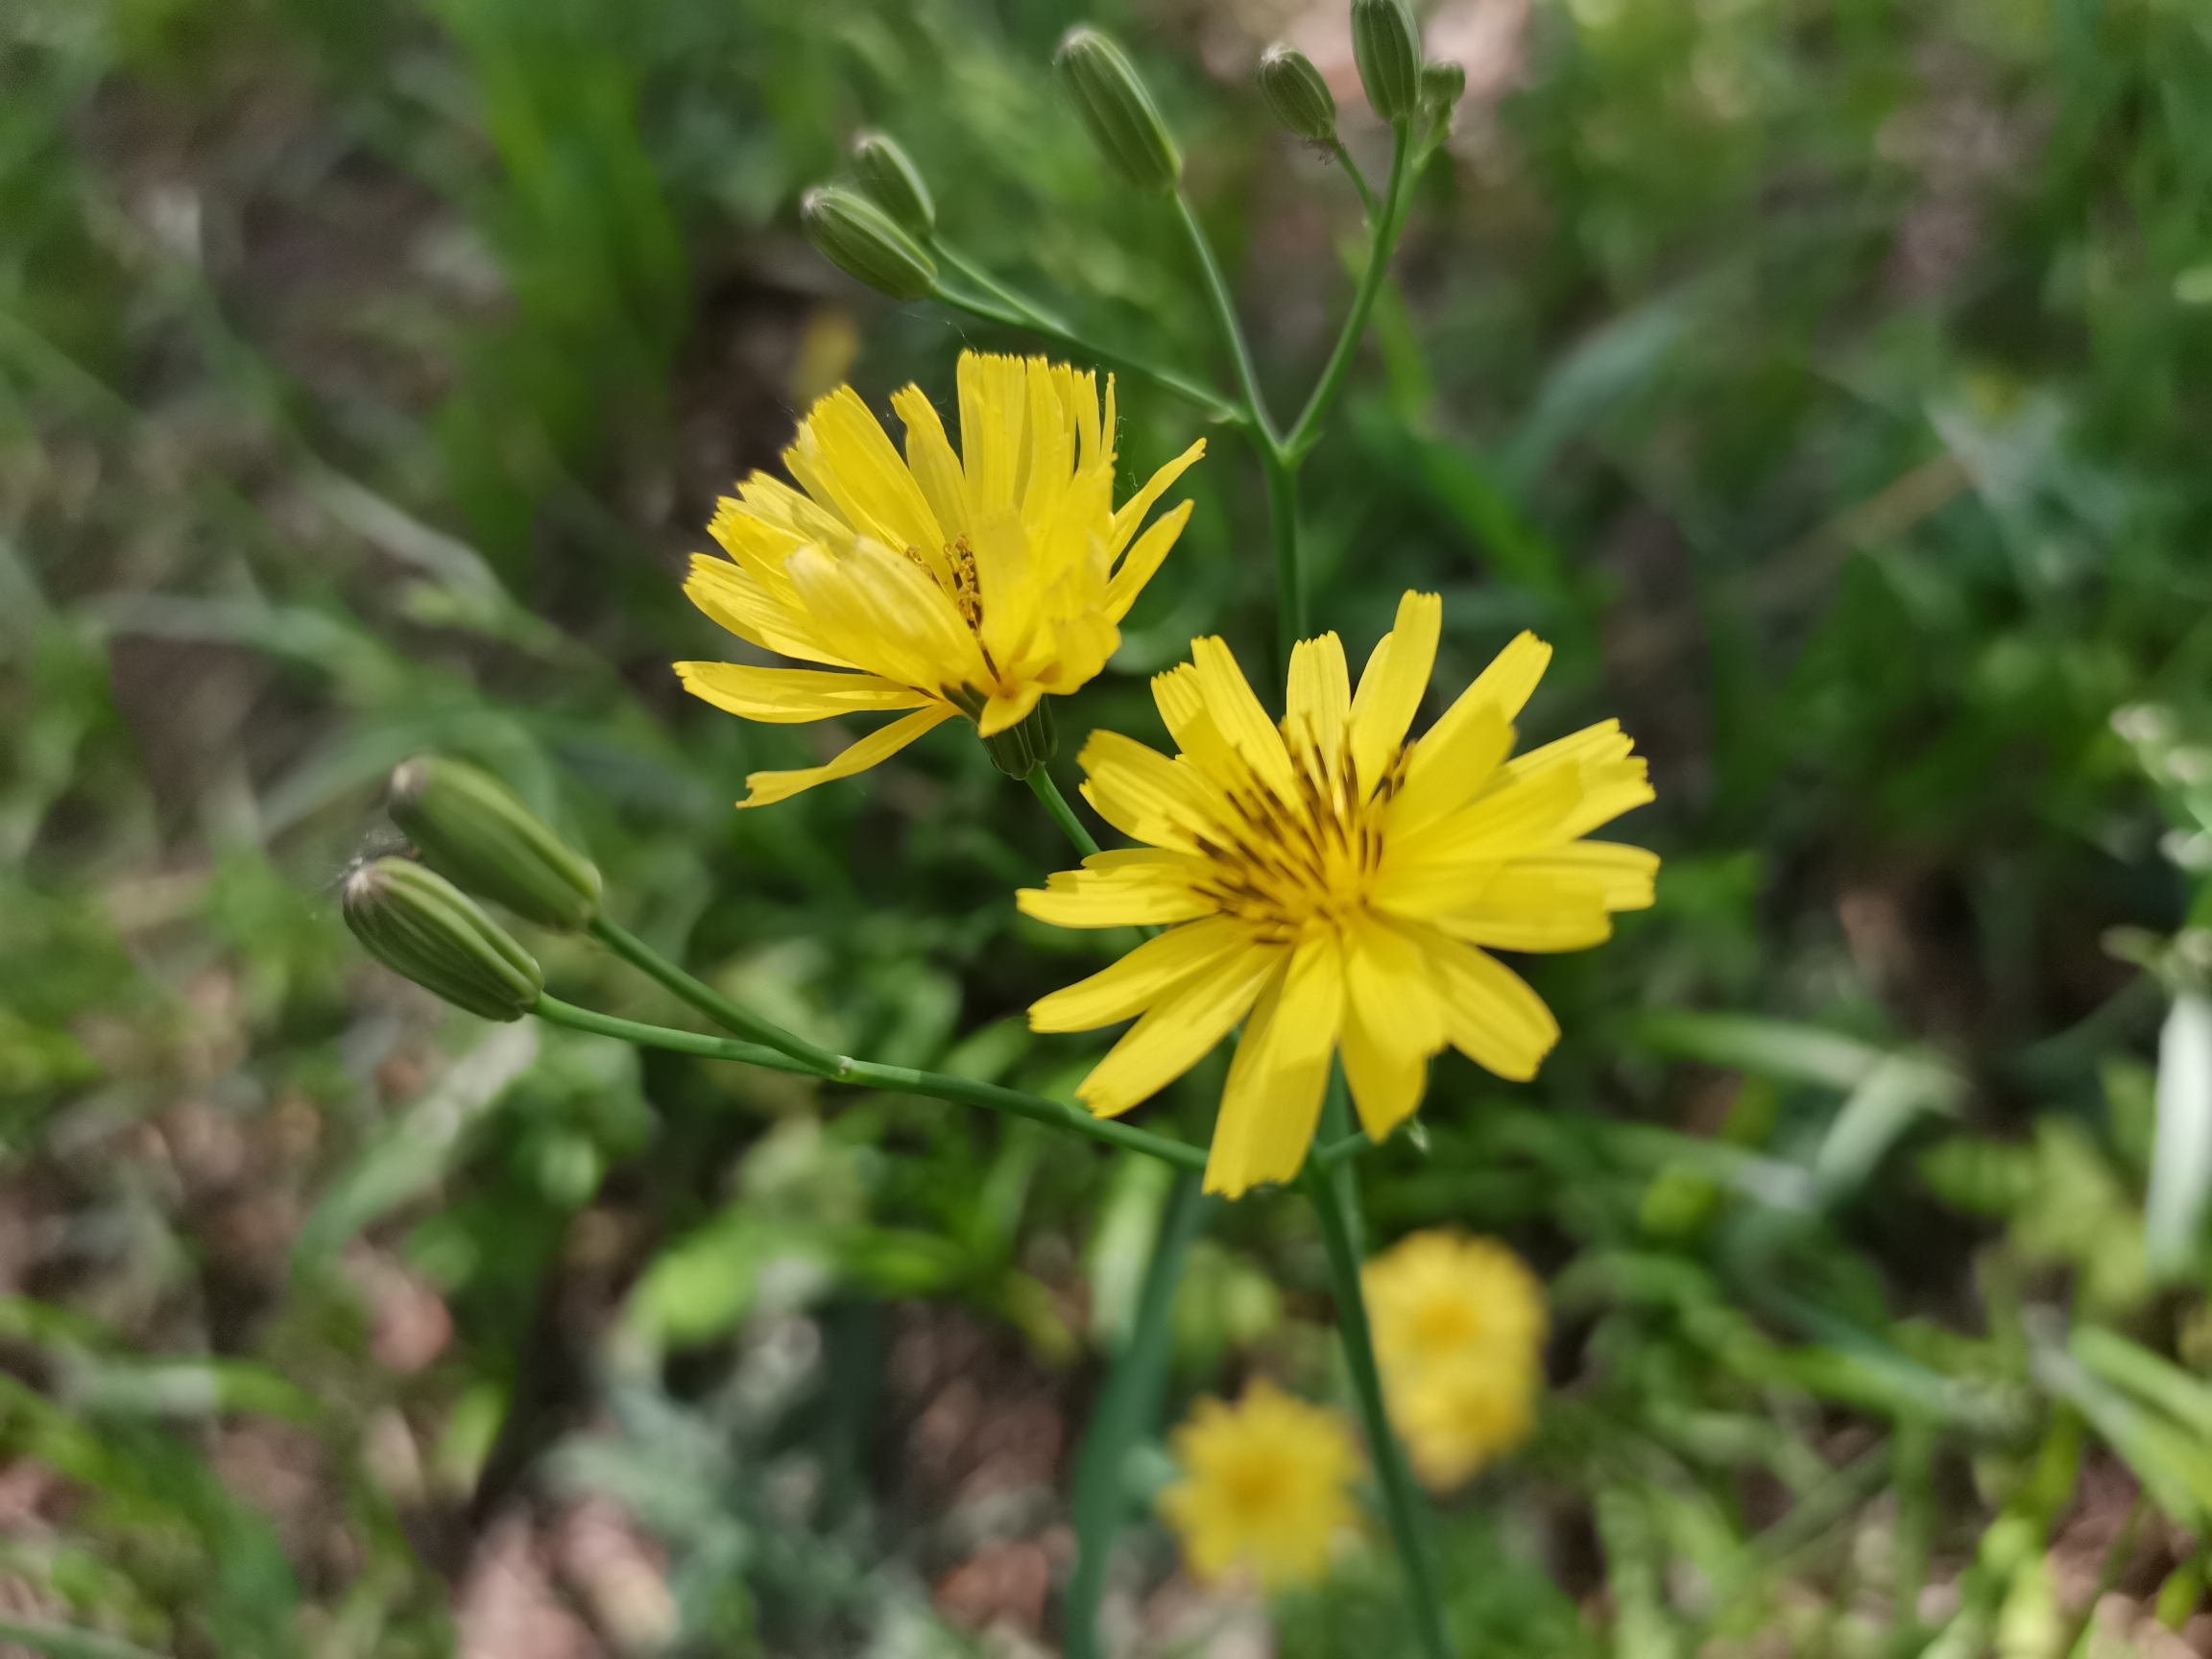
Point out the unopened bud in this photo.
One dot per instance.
(1124, 120)
(1027, 744)
(473, 829)
(1388, 48)
(865, 243)
(1296, 95)
(424, 928)
(1442, 85)
(892, 181)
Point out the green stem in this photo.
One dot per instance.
(1232, 330)
(867, 1074)
(1336, 1204)
(706, 999)
(1382, 241)
(1040, 786)
(1291, 617)
(1358, 178)
(1127, 1408)
(1009, 309)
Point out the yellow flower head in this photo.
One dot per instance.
(947, 584)
(1267, 1486)
(1334, 882)
(1460, 1329)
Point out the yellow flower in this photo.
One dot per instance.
(947, 584)
(1267, 1486)
(1334, 882)
(1459, 1328)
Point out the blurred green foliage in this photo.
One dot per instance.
(1828, 380)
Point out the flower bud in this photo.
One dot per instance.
(865, 243)
(1388, 48)
(1442, 85)
(424, 928)
(1296, 95)
(1027, 744)
(475, 831)
(1124, 120)
(893, 182)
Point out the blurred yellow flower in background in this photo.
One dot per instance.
(972, 583)
(1335, 882)
(1267, 1486)
(1460, 1329)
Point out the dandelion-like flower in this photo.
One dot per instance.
(1267, 1486)
(1337, 883)
(941, 583)
(1459, 1326)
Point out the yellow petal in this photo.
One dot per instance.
(1528, 813)
(1318, 704)
(1520, 910)
(1133, 510)
(844, 459)
(1136, 887)
(1006, 709)
(1393, 1023)
(931, 458)
(787, 696)
(1179, 1032)
(1237, 714)
(1143, 794)
(1453, 765)
(1183, 707)
(768, 788)
(881, 610)
(1392, 686)
(1511, 678)
(1625, 875)
(1144, 561)
(993, 405)
(1147, 975)
(1490, 1014)
(738, 602)
(1051, 447)
(1008, 583)
(1273, 1098)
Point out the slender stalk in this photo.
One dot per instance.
(1290, 612)
(727, 1015)
(1336, 1203)
(1382, 241)
(1358, 178)
(1011, 310)
(1232, 330)
(1040, 786)
(1127, 1408)
(867, 1074)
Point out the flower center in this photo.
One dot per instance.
(1253, 1487)
(1288, 864)
(1444, 1324)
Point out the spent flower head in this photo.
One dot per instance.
(1267, 1486)
(944, 583)
(1459, 1328)
(1337, 883)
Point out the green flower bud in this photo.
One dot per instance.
(1442, 87)
(1296, 95)
(1124, 120)
(1388, 48)
(424, 928)
(892, 181)
(1027, 744)
(473, 829)
(865, 243)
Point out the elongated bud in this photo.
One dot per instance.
(1124, 120)
(1296, 95)
(865, 243)
(1388, 48)
(424, 928)
(477, 831)
(892, 181)
(1442, 85)
(1027, 744)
